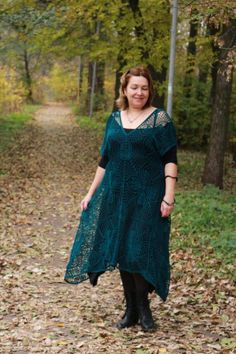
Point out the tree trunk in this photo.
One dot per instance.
(159, 76)
(28, 79)
(80, 75)
(189, 71)
(120, 57)
(213, 30)
(191, 54)
(89, 86)
(100, 78)
(214, 164)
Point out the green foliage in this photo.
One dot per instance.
(206, 218)
(21, 25)
(192, 115)
(12, 123)
(96, 123)
(35, 35)
(193, 76)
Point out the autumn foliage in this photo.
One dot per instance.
(12, 92)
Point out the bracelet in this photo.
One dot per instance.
(172, 177)
(169, 204)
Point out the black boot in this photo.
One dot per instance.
(130, 317)
(144, 311)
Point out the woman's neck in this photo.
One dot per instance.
(134, 110)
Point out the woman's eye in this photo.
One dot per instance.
(136, 87)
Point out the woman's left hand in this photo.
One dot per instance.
(166, 210)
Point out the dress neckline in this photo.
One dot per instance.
(133, 129)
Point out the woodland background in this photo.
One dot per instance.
(77, 51)
(60, 66)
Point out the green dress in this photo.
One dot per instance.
(122, 226)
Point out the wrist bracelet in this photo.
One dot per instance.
(172, 177)
(167, 203)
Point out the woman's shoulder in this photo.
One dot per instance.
(162, 117)
(114, 115)
(115, 112)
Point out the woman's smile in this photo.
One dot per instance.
(137, 91)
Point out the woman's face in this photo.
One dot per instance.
(137, 92)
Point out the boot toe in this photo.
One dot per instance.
(127, 321)
(148, 327)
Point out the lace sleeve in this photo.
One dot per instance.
(162, 118)
(165, 133)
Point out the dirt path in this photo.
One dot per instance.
(44, 177)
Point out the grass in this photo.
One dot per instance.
(96, 123)
(12, 123)
(206, 219)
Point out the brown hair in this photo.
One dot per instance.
(122, 101)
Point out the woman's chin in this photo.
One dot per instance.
(138, 105)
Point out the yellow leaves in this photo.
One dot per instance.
(63, 82)
(12, 92)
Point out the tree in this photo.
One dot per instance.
(214, 164)
(21, 23)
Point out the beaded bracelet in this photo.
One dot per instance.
(172, 177)
(169, 204)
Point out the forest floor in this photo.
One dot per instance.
(44, 175)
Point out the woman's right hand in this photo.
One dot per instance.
(85, 202)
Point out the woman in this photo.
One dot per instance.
(125, 215)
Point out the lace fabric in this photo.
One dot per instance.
(122, 227)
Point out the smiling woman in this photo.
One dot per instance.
(138, 81)
(125, 215)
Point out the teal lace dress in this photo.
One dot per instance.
(122, 226)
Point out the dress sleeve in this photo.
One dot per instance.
(103, 161)
(165, 133)
(170, 156)
(104, 146)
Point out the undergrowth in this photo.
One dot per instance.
(12, 123)
(96, 123)
(205, 221)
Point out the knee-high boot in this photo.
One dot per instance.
(144, 311)
(130, 317)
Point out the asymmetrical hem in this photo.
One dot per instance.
(122, 227)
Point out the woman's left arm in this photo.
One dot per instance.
(167, 204)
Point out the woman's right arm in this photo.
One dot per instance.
(95, 184)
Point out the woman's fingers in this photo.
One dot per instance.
(166, 210)
(84, 204)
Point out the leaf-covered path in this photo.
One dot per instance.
(43, 178)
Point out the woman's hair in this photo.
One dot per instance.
(122, 101)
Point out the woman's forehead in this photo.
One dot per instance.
(138, 80)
